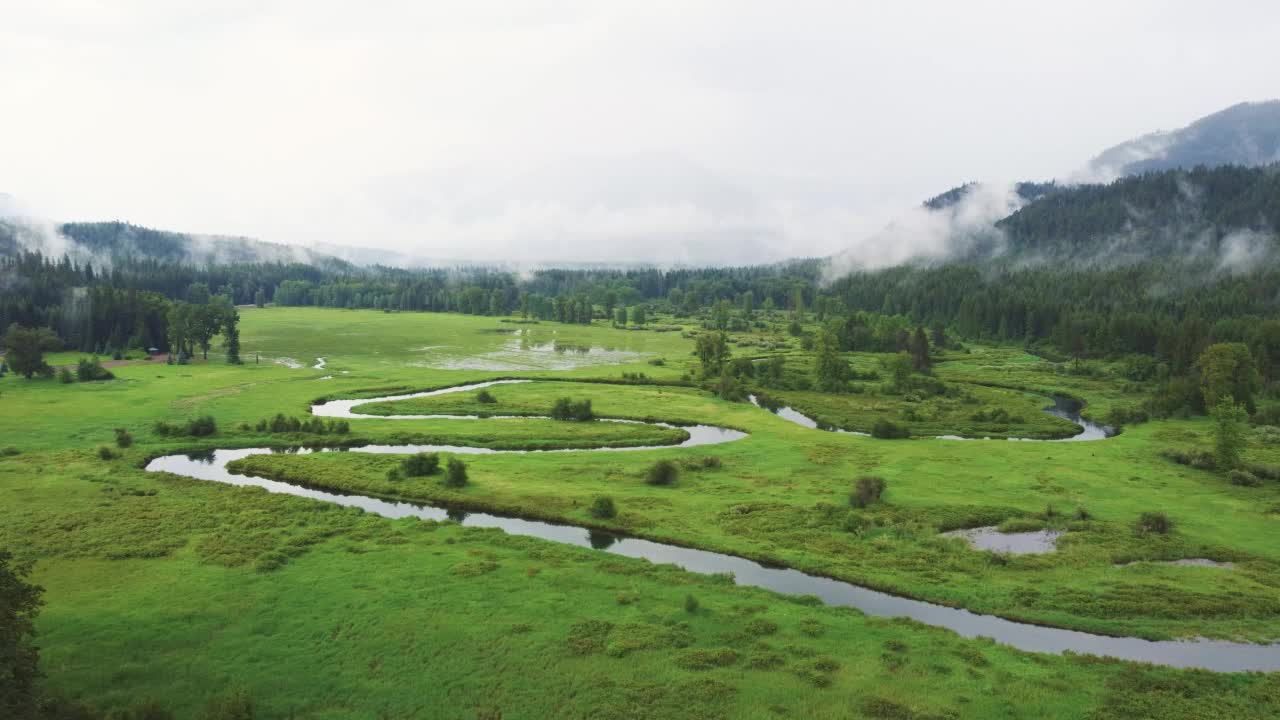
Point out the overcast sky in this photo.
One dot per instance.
(734, 131)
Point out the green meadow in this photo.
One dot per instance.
(175, 590)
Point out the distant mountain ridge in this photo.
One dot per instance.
(116, 241)
(1246, 134)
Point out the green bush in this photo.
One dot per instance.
(886, 429)
(420, 465)
(866, 490)
(603, 508)
(690, 604)
(1244, 478)
(1193, 457)
(456, 475)
(486, 397)
(663, 472)
(65, 377)
(855, 523)
(106, 453)
(1264, 470)
(1154, 522)
(88, 370)
(566, 409)
(123, 438)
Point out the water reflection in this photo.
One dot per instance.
(601, 540)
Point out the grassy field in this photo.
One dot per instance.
(166, 588)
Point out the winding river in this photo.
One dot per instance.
(1217, 655)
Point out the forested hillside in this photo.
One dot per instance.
(1170, 214)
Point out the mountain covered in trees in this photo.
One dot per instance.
(1230, 212)
(1247, 134)
(106, 243)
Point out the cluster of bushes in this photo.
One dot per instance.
(1267, 435)
(886, 429)
(425, 464)
(1199, 459)
(197, 427)
(1127, 415)
(636, 378)
(567, 409)
(1244, 478)
(90, 369)
(87, 370)
(657, 362)
(728, 387)
(706, 462)
(1268, 414)
(866, 491)
(316, 426)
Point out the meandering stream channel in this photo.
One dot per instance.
(1218, 655)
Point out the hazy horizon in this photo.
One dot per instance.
(560, 131)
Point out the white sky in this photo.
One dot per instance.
(736, 131)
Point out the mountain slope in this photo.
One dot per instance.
(1168, 214)
(118, 241)
(1246, 134)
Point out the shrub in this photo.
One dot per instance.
(855, 523)
(88, 370)
(1131, 415)
(1154, 522)
(1268, 435)
(456, 475)
(566, 409)
(486, 397)
(420, 465)
(204, 425)
(106, 453)
(1082, 513)
(394, 475)
(65, 377)
(886, 429)
(707, 462)
(690, 604)
(1244, 478)
(10, 451)
(663, 472)
(1264, 471)
(123, 438)
(603, 508)
(1192, 457)
(866, 490)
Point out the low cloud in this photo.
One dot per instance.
(927, 235)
